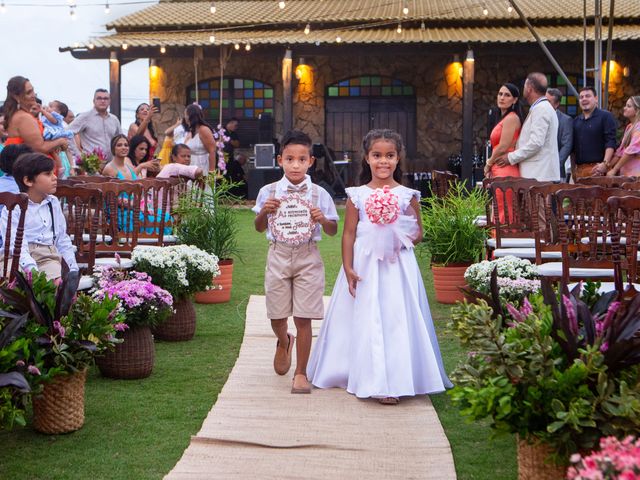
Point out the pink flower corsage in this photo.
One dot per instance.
(382, 206)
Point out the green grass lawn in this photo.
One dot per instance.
(138, 429)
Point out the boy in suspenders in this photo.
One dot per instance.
(294, 275)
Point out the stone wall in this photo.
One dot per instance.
(436, 79)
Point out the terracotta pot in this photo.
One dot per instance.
(534, 463)
(447, 281)
(225, 280)
(132, 358)
(60, 407)
(181, 325)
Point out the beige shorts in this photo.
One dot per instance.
(294, 281)
(47, 259)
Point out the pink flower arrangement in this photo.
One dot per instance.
(382, 206)
(616, 460)
(220, 139)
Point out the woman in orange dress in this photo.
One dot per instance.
(19, 122)
(503, 139)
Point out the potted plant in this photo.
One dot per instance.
(452, 238)
(559, 372)
(144, 305)
(53, 342)
(182, 270)
(207, 220)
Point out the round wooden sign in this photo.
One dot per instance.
(292, 223)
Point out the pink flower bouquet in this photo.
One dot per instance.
(616, 460)
(382, 206)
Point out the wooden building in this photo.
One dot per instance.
(336, 68)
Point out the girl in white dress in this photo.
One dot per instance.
(378, 339)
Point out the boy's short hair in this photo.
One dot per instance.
(30, 165)
(10, 154)
(295, 137)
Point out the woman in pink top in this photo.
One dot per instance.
(626, 159)
(180, 164)
(503, 139)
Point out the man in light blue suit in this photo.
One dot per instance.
(565, 133)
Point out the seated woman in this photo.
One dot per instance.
(180, 164)
(140, 156)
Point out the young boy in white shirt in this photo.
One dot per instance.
(294, 276)
(45, 241)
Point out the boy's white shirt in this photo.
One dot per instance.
(325, 202)
(37, 229)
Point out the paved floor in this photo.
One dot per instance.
(258, 430)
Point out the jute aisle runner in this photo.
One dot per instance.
(258, 430)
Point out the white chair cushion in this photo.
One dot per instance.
(480, 221)
(606, 287)
(125, 263)
(86, 282)
(512, 243)
(528, 253)
(151, 240)
(99, 238)
(554, 269)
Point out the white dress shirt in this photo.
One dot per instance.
(38, 229)
(537, 148)
(325, 202)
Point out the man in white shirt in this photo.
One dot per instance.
(537, 148)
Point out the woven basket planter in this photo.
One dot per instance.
(60, 407)
(533, 463)
(180, 326)
(132, 358)
(224, 280)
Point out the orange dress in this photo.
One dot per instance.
(509, 170)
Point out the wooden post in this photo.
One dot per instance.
(467, 117)
(114, 85)
(287, 63)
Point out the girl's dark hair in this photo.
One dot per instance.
(133, 144)
(10, 154)
(150, 126)
(196, 118)
(177, 147)
(516, 107)
(30, 165)
(15, 87)
(368, 141)
(115, 139)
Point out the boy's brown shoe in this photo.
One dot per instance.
(282, 358)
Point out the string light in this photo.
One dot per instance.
(509, 7)
(107, 10)
(212, 9)
(3, 9)
(405, 8)
(163, 49)
(485, 11)
(125, 46)
(338, 39)
(307, 29)
(72, 12)
(237, 46)
(247, 47)
(399, 29)
(212, 37)
(422, 26)
(281, 4)
(91, 46)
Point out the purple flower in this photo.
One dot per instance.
(19, 363)
(120, 327)
(571, 314)
(515, 313)
(33, 370)
(604, 347)
(526, 308)
(611, 311)
(57, 326)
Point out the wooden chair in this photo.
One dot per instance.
(579, 213)
(11, 260)
(441, 181)
(120, 222)
(609, 182)
(511, 214)
(624, 222)
(154, 210)
(82, 207)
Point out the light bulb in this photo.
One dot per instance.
(107, 10)
(212, 37)
(237, 46)
(163, 49)
(509, 8)
(423, 26)
(281, 4)
(405, 8)
(91, 46)
(307, 29)
(485, 11)
(3, 9)
(212, 8)
(72, 12)
(125, 46)
(399, 29)
(247, 47)
(338, 39)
